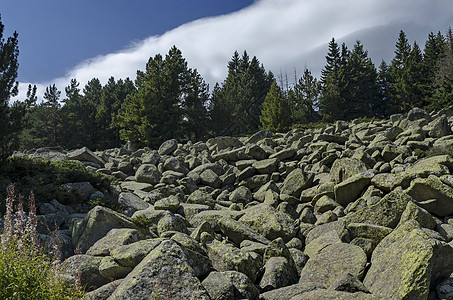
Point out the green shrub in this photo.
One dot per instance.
(45, 179)
(25, 271)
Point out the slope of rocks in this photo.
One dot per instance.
(348, 211)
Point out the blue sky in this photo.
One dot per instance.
(61, 39)
(56, 35)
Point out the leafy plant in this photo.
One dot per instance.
(26, 272)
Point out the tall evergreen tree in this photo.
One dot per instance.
(276, 113)
(443, 96)
(303, 99)
(236, 105)
(9, 53)
(155, 111)
(331, 82)
(361, 92)
(50, 116)
(113, 95)
(399, 72)
(433, 53)
(383, 81)
(195, 114)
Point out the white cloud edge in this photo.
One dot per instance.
(281, 33)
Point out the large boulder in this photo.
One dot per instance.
(296, 182)
(278, 272)
(343, 168)
(435, 165)
(148, 173)
(433, 195)
(226, 257)
(269, 222)
(333, 261)
(86, 267)
(164, 271)
(114, 238)
(387, 212)
(96, 224)
(407, 262)
(350, 189)
(132, 254)
(85, 154)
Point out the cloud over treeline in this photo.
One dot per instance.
(285, 35)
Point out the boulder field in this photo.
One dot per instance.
(351, 210)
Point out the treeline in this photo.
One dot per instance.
(352, 87)
(170, 100)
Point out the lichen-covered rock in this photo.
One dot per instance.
(132, 254)
(435, 165)
(87, 267)
(266, 166)
(319, 243)
(96, 224)
(110, 269)
(241, 195)
(422, 216)
(114, 238)
(433, 195)
(85, 154)
(337, 295)
(148, 173)
(278, 273)
(168, 147)
(171, 222)
(219, 286)
(387, 212)
(200, 197)
(269, 222)
(343, 168)
(348, 283)
(296, 182)
(132, 203)
(237, 231)
(325, 203)
(368, 231)
(103, 292)
(290, 291)
(171, 204)
(406, 262)
(332, 261)
(210, 178)
(348, 190)
(226, 257)
(244, 287)
(164, 271)
(387, 182)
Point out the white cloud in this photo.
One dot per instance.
(283, 34)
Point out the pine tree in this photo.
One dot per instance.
(236, 105)
(113, 96)
(361, 93)
(399, 71)
(303, 98)
(433, 53)
(195, 119)
(276, 113)
(443, 96)
(330, 99)
(9, 53)
(51, 121)
(383, 81)
(156, 111)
